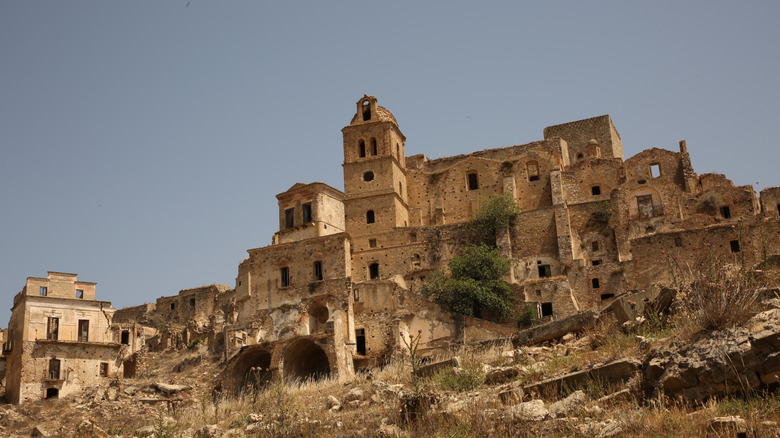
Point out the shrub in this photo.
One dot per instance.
(496, 214)
(462, 379)
(528, 317)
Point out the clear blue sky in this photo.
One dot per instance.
(142, 143)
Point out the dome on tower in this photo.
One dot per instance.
(368, 112)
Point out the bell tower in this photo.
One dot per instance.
(374, 171)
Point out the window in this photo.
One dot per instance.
(595, 262)
(373, 146)
(644, 205)
(360, 341)
(370, 217)
(372, 243)
(678, 242)
(373, 271)
(289, 218)
(366, 111)
(607, 296)
(368, 176)
(83, 330)
(173, 306)
(355, 295)
(362, 149)
(725, 212)
(53, 329)
(595, 190)
(734, 246)
(52, 392)
(544, 271)
(306, 212)
(125, 337)
(655, 170)
(317, 271)
(400, 188)
(473, 181)
(547, 309)
(44, 291)
(595, 283)
(285, 277)
(533, 170)
(778, 208)
(398, 152)
(594, 246)
(80, 294)
(192, 303)
(54, 369)
(103, 369)
(580, 156)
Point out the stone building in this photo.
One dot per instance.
(58, 339)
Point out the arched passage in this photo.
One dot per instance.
(251, 370)
(305, 360)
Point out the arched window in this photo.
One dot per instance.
(362, 149)
(370, 217)
(373, 146)
(366, 111)
(533, 170)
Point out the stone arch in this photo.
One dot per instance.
(251, 370)
(305, 360)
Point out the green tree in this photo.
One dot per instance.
(496, 214)
(475, 284)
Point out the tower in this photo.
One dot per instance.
(374, 171)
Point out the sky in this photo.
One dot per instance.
(142, 143)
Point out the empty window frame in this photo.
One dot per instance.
(83, 330)
(306, 212)
(373, 146)
(53, 328)
(472, 180)
(725, 212)
(644, 206)
(735, 246)
(192, 303)
(370, 218)
(368, 176)
(366, 111)
(54, 369)
(372, 243)
(778, 208)
(362, 149)
(125, 337)
(173, 306)
(289, 218)
(317, 271)
(594, 246)
(373, 271)
(678, 241)
(43, 291)
(544, 271)
(532, 167)
(595, 190)
(655, 170)
(607, 296)
(80, 294)
(284, 277)
(594, 282)
(547, 309)
(595, 262)
(360, 341)
(103, 369)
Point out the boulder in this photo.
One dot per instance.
(431, 369)
(88, 429)
(533, 410)
(572, 403)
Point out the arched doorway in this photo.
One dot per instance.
(251, 371)
(305, 360)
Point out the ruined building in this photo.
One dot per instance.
(341, 280)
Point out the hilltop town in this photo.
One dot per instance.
(343, 284)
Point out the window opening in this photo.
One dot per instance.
(398, 152)
(372, 243)
(80, 294)
(103, 369)
(778, 208)
(533, 170)
(53, 329)
(368, 176)
(595, 190)
(306, 212)
(595, 262)
(373, 271)
(595, 283)
(317, 271)
(285, 276)
(44, 291)
(370, 217)
(725, 212)
(125, 338)
(360, 341)
(655, 170)
(544, 271)
(355, 295)
(547, 309)
(373, 146)
(607, 296)
(52, 392)
(579, 156)
(173, 306)
(400, 188)
(289, 218)
(366, 111)
(54, 369)
(83, 330)
(678, 241)
(192, 303)
(594, 246)
(362, 149)
(644, 205)
(473, 181)
(734, 246)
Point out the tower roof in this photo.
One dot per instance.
(378, 113)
